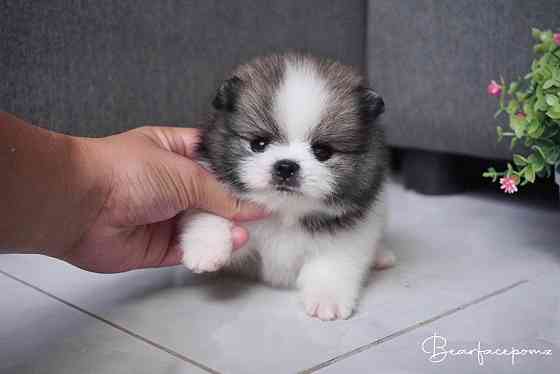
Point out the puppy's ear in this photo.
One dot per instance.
(227, 94)
(371, 104)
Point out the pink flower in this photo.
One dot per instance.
(494, 89)
(521, 115)
(556, 38)
(509, 184)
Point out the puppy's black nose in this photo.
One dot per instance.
(285, 169)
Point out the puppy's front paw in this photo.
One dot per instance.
(199, 258)
(206, 242)
(326, 305)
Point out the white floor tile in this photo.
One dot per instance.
(526, 317)
(40, 335)
(451, 251)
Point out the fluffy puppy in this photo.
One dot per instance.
(299, 136)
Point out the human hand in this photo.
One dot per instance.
(148, 177)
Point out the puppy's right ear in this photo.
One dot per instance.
(371, 104)
(227, 95)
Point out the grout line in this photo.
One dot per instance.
(114, 325)
(410, 328)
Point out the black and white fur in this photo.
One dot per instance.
(299, 136)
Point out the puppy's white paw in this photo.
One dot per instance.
(206, 241)
(327, 306)
(199, 261)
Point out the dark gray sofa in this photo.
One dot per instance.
(100, 67)
(432, 60)
(96, 68)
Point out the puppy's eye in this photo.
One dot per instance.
(259, 144)
(322, 151)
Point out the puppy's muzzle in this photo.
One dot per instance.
(285, 173)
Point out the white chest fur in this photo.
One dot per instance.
(284, 246)
(327, 268)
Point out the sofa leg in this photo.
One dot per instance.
(433, 173)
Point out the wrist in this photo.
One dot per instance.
(50, 190)
(88, 188)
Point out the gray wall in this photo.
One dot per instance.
(99, 67)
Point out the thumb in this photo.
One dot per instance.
(200, 189)
(211, 196)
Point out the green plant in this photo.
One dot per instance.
(532, 106)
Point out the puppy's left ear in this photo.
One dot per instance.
(227, 95)
(371, 104)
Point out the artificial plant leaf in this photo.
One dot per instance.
(540, 48)
(513, 88)
(553, 114)
(535, 130)
(546, 36)
(520, 160)
(518, 125)
(554, 156)
(529, 173)
(551, 100)
(536, 161)
(549, 83)
(512, 107)
(543, 151)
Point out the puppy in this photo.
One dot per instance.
(297, 135)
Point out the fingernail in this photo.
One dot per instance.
(239, 236)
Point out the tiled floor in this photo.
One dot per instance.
(471, 268)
